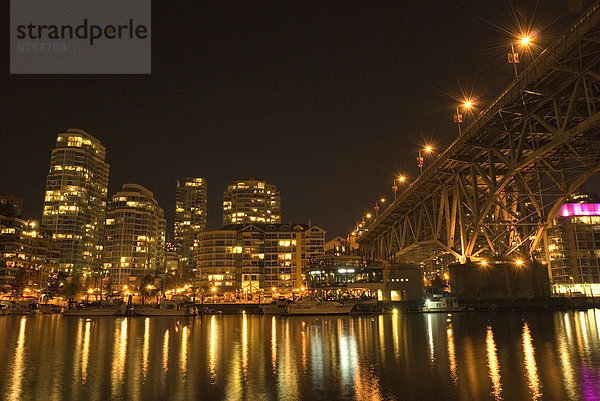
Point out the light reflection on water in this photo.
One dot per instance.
(146, 349)
(17, 367)
(530, 365)
(502, 355)
(86, 351)
(451, 353)
(493, 364)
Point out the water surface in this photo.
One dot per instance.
(466, 356)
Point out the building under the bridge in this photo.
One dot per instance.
(574, 246)
(337, 275)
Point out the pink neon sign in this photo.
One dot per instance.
(580, 209)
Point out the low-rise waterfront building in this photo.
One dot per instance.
(258, 256)
(336, 274)
(27, 257)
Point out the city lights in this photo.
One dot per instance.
(150, 300)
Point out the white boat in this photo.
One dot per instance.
(166, 307)
(313, 306)
(3, 309)
(26, 307)
(442, 304)
(102, 308)
(277, 307)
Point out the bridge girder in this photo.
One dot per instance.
(497, 188)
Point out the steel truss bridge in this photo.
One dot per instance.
(497, 188)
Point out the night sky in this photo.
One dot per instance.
(327, 100)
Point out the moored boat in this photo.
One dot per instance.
(166, 307)
(25, 307)
(445, 303)
(101, 308)
(313, 306)
(277, 307)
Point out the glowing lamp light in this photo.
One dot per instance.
(525, 40)
(369, 215)
(428, 149)
(214, 289)
(382, 200)
(90, 291)
(579, 209)
(483, 263)
(402, 178)
(519, 262)
(468, 104)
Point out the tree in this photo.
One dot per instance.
(146, 283)
(20, 281)
(72, 289)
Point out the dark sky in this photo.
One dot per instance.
(328, 100)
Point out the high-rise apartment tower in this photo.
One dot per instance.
(190, 219)
(75, 200)
(251, 201)
(135, 235)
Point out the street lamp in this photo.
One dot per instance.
(524, 41)
(376, 208)
(467, 105)
(427, 149)
(400, 179)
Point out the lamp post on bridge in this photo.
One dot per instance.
(376, 208)
(467, 105)
(513, 56)
(401, 179)
(427, 149)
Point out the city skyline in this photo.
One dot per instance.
(300, 200)
(314, 113)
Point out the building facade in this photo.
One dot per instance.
(190, 219)
(27, 258)
(75, 200)
(251, 201)
(135, 235)
(254, 257)
(574, 247)
(338, 274)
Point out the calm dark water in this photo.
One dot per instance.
(468, 356)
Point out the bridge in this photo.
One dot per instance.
(496, 189)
